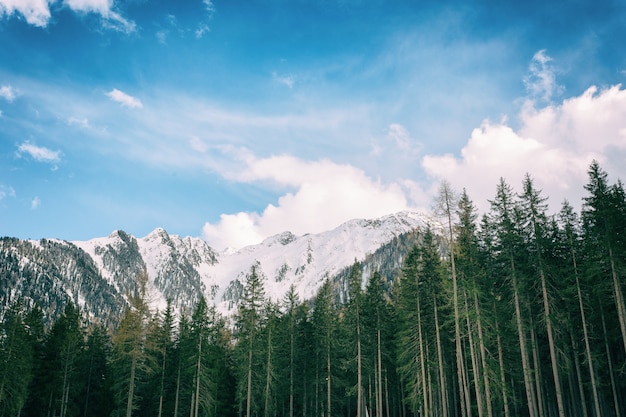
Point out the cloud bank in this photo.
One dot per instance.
(554, 144)
(326, 194)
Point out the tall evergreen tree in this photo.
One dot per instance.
(129, 350)
(16, 360)
(248, 322)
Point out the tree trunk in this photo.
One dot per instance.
(610, 363)
(442, 380)
(473, 355)
(522, 342)
(505, 397)
(553, 358)
(483, 358)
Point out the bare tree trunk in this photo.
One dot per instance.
(505, 397)
(523, 349)
(131, 387)
(610, 363)
(379, 398)
(537, 367)
(483, 358)
(198, 368)
(268, 373)
(422, 359)
(579, 379)
(553, 358)
(473, 355)
(177, 393)
(442, 380)
(619, 298)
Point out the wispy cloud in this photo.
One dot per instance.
(39, 153)
(35, 203)
(288, 80)
(110, 18)
(36, 12)
(124, 99)
(541, 81)
(74, 121)
(7, 92)
(6, 191)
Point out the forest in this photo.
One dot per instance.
(516, 312)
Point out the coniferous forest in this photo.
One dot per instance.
(518, 312)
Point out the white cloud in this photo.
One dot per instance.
(399, 135)
(111, 19)
(7, 92)
(36, 12)
(74, 121)
(555, 145)
(6, 191)
(35, 203)
(39, 153)
(288, 80)
(541, 82)
(124, 99)
(326, 194)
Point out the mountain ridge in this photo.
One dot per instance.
(181, 269)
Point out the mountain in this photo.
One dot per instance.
(99, 274)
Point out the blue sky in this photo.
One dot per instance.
(236, 120)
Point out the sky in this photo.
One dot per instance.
(237, 120)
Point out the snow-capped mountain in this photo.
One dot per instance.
(181, 269)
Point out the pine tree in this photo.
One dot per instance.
(603, 221)
(16, 360)
(248, 322)
(505, 213)
(324, 330)
(129, 353)
(534, 223)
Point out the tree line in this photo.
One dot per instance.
(513, 313)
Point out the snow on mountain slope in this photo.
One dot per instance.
(305, 261)
(181, 269)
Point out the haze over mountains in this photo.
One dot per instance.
(99, 274)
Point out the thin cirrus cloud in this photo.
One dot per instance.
(124, 99)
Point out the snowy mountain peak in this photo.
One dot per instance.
(182, 269)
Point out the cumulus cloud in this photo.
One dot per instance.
(7, 92)
(124, 99)
(555, 144)
(39, 153)
(36, 12)
(325, 195)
